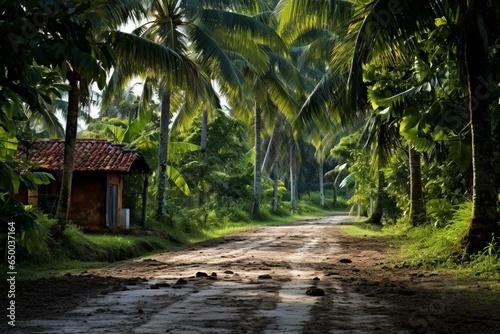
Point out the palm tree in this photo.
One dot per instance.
(391, 37)
(268, 94)
(381, 136)
(272, 153)
(210, 33)
(76, 45)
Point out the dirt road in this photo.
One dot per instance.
(307, 277)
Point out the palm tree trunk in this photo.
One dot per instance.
(257, 174)
(376, 216)
(321, 182)
(275, 185)
(64, 201)
(418, 213)
(203, 148)
(144, 201)
(293, 177)
(272, 143)
(334, 194)
(204, 130)
(162, 155)
(484, 222)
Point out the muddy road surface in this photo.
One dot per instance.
(307, 277)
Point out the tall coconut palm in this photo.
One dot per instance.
(267, 94)
(391, 37)
(207, 32)
(76, 45)
(380, 137)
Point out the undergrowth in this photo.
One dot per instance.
(428, 247)
(76, 251)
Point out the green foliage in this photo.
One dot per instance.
(430, 248)
(219, 177)
(29, 234)
(76, 245)
(77, 251)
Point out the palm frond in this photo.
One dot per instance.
(242, 28)
(381, 138)
(327, 102)
(110, 15)
(248, 7)
(211, 55)
(280, 97)
(297, 16)
(116, 85)
(143, 57)
(381, 30)
(287, 72)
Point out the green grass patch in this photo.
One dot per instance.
(432, 248)
(76, 251)
(187, 230)
(53, 266)
(360, 229)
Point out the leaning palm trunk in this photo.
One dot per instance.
(321, 182)
(418, 214)
(273, 142)
(275, 184)
(162, 155)
(376, 216)
(204, 130)
(293, 177)
(334, 194)
(203, 148)
(484, 222)
(257, 174)
(63, 204)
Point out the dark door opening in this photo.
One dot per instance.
(112, 205)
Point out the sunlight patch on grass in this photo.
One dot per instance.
(361, 229)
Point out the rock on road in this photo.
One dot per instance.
(255, 282)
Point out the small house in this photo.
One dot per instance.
(97, 186)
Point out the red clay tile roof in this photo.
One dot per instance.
(90, 155)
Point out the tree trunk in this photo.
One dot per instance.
(334, 194)
(64, 201)
(358, 203)
(203, 147)
(271, 151)
(257, 174)
(144, 201)
(204, 130)
(376, 216)
(321, 182)
(162, 155)
(293, 177)
(418, 213)
(275, 185)
(484, 222)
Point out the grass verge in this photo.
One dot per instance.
(427, 248)
(77, 252)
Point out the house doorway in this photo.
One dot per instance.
(112, 205)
